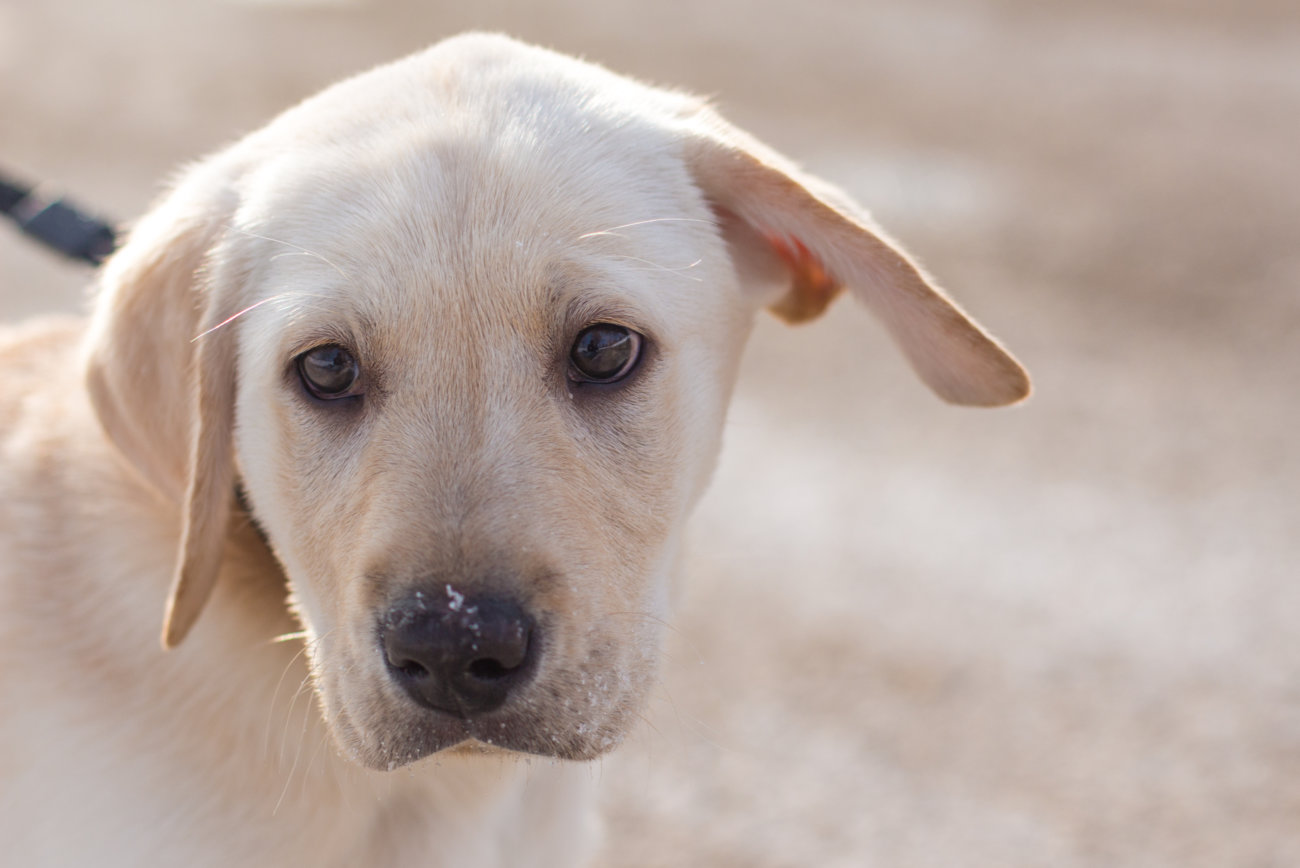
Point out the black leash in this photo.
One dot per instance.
(57, 223)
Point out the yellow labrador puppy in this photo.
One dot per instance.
(440, 357)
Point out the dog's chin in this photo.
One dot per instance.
(394, 750)
(399, 737)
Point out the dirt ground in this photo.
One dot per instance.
(1066, 634)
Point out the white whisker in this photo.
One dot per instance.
(228, 320)
(275, 695)
(613, 230)
(299, 250)
(274, 298)
(678, 271)
(297, 754)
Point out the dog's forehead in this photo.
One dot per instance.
(494, 188)
(478, 80)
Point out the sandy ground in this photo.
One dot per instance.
(910, 635)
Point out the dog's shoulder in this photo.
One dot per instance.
(39, 358)
(44, 336)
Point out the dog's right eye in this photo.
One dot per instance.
(329, 372)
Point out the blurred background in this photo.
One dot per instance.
(1066, 634)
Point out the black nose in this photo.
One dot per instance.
(457, 653)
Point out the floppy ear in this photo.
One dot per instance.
(827, 243)
(164, 398)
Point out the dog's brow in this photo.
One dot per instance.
(297, 250)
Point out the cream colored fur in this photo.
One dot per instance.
(454, 218)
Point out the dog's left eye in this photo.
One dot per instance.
(604, 353)
(329, 372)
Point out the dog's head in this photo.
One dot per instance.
(461, 331)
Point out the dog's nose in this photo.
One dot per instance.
(457, 653)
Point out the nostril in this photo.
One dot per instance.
(411, 669)
(490, 670)
(508, 650)
(463, 655)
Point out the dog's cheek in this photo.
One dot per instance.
(285, 474)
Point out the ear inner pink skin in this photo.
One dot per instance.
(812, 287)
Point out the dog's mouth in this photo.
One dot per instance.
(386, 731)
(396, 744)
(515, 685)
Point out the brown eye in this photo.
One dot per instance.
(604, 353)
(329, 372)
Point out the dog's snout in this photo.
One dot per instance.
(457, 653)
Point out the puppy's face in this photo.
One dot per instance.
(468, 325)
(481, 378)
